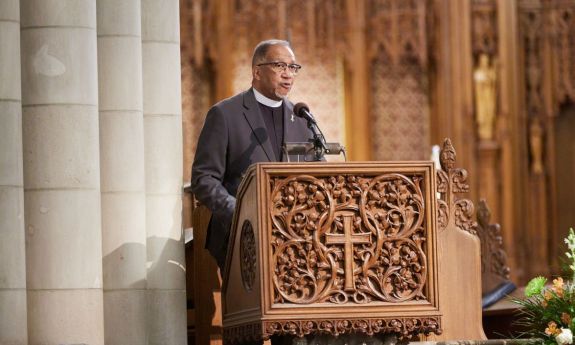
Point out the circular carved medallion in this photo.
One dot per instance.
(248, 255)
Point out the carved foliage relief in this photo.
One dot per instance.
(405, 327)
(248, 255)
(348, 239)
(451, 181)
(493, 256)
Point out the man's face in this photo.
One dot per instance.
(272, 84)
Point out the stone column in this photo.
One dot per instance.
(122, 171)
(13, 329)
(163, 162)
(61, 172)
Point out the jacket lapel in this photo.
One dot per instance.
(254, 117)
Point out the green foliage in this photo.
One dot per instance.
(570, 240)
(548, 312)
(535, 286)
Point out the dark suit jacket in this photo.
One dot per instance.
(234, 136)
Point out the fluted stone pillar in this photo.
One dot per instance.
(163, 162)
(61, 172)
(13, 330)
(122, 171)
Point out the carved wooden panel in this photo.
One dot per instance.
(493, 256)
(311, 25)
(348, 239)
(370, 326)
(547, 31)
(460, 252)
(484, 26)
(399, 28)
(548, 26)
(344, 248)
(452, 181)
(561, 18)
(531, 25)
(248, 255)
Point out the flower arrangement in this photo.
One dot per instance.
(549, 311)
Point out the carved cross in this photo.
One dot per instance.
(348, 239)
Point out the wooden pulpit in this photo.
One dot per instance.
(338, 248)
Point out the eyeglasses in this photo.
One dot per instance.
(279, 67)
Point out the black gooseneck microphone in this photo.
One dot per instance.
(320, 146)
(302, 110)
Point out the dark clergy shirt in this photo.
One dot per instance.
(273, 118)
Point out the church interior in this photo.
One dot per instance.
(389, 79)
(102, 103)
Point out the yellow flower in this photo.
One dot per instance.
(566, 319)
(558, 286)
(552, 329)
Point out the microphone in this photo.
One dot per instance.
(302, 110)
(320, 146)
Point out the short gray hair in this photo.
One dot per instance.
(262, 49)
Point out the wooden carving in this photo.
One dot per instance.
(399, 28)
(300, 328)
(248, 255)
(493, 256)
(451, 181)
(546, 29)
(460, 250)
(484, 21)
(309, 25)
(561, 17)
(339, 248)
(531, 25)
(349, 238)
(370, 326)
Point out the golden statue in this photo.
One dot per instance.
(536, 146)
(485, 80)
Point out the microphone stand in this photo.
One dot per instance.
(319, 146)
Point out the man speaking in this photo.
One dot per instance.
(247, 128)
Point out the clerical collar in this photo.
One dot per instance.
(266, 101)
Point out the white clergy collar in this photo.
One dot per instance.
(266, 101)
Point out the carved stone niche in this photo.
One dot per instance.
(333, 248)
